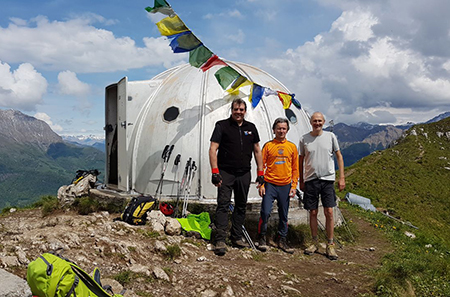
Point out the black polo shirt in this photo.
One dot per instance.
(236, 144)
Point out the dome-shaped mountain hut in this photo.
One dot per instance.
(180, 107)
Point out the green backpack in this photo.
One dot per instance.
(53, 276)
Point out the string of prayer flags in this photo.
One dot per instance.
(256, 94)
(199, 56)
(225, 76)
(171, 25)
(184, 42)
(161, 6)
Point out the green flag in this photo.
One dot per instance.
(199, 56)
(161, 6)
(225, 76)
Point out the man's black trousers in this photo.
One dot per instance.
(239, 184)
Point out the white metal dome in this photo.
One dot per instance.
(180, 107)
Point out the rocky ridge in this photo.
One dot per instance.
(145, 260)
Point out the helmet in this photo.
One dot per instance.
(166, 208)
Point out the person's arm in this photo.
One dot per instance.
(213, 147)
(340, 162)
(258, 157)
(301, 173)
(295, 173)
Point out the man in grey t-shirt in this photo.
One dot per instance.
(317, 176)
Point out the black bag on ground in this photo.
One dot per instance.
(136, 211)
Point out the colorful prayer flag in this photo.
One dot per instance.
(269, 91)
(256, 94)
(199, 56)
(225, 76)
(171, 25)
(238, 83)
(161, 6)
(285, 99)
(213, 61)
(184, 42)
(295, 102)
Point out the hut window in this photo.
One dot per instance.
(171, 114)
(291, 116)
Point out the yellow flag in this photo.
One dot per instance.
(171, 26)
(240, 82)
(286, 99)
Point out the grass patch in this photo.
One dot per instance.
(86, 205)
(124, 277)
(48, 203)
(172, 252)
(148, 233)
(258, 257)
(191, 241)
(420, 264)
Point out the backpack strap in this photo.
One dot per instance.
(75, 284)
(89, 282)
(49, 266)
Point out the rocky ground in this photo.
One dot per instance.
(147, 264)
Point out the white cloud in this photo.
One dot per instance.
(78, 46)
(46, 118)
(364, 69)
(22, 88)
(69, 84)
(230, 13)
(355, 25)
(238, 37)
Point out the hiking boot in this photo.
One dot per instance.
(262, 245)
(220, 249)
(240, 244)
(313, 248)
(282, 245)
(331, 252)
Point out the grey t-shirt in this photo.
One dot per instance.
(318, 155)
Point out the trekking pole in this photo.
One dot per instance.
(181, 186)
(163, 157)
(345, 224)
(186, 182)
(244, 231)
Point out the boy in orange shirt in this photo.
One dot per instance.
(280, 162)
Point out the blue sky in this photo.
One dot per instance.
(382, 62)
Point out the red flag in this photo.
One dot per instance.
(213, 61)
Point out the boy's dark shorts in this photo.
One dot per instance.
(316, 187)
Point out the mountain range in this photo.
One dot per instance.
(361, 139)
(35, 161)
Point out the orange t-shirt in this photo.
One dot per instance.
(280, 163)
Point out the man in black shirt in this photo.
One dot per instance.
(233, 142)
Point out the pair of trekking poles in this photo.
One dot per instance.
(185, 186)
